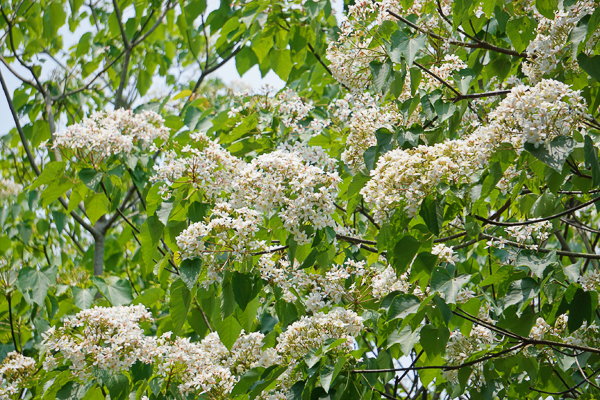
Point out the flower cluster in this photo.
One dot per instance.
(107, 133)
(358, 44)
(110, 339)
(385, 282)
(445, 253)
(298, 181)
(228, 231)
(207, 366)
(527, 115)
(551, 44)
(461, 347)
(284, 181)
(312, 332)
(211, 168)
(322, 290)
(15, 370)
(9, 188)
(590, 281)
(522, 233)
(539, 113)
(364, 114)
(291, 109)
(583, 336)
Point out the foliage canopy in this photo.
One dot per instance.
(414, 215)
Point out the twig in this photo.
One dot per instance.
(533, 221)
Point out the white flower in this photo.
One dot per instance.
(9, 188)
(107, 133)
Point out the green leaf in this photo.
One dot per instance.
(591, 160)
(179, 303)
(370, 156)
(402, 45)
(189, 271)
(433, 214)
(591, 65)
(227, 299)
(358, 182)
(537, 265)
(247, 380)
(521, 291)
(247, 124)
(83, 298)
(118, 386)
(244, 60)
(442, 282)
(444, 110)
(91, 177)
(403, 305)
(381, 73)
(499, 276)
(593, 23)
(229, 330)
(444, 309)
(84, 44)
(38, 282)
(406, 338)
(422, 267)
(582, 307)
(96, 205)
(55, 190)
(521, 31)
(326, 376)
(54, 170)
(544, 205)
(434, 340)
(281, 63)
(546, 8)
(460, 11)
(117, 291)
(54, 18)
(150, 234)
(261, 45)
(404, 251)
(245, 288)
(463, 79)
(492, 179)
(554, 153)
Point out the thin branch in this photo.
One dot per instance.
(441, 367)
(10, 317)
(273, 250)
(16, 74)
(121, 27)
(480, 95)
(484, 236)
(477, 45)
(355, 240)
(156, 25)
(533, 221)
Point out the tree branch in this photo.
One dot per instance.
(533, 221)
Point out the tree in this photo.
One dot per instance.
(414, 215)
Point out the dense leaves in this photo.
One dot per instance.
(415, 214)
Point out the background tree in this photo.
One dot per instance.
(414, 215)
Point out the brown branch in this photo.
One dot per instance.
(441, 367)
(533, 221)
(478, 45)
(480, 95)
(10, 317)
(274, 250)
